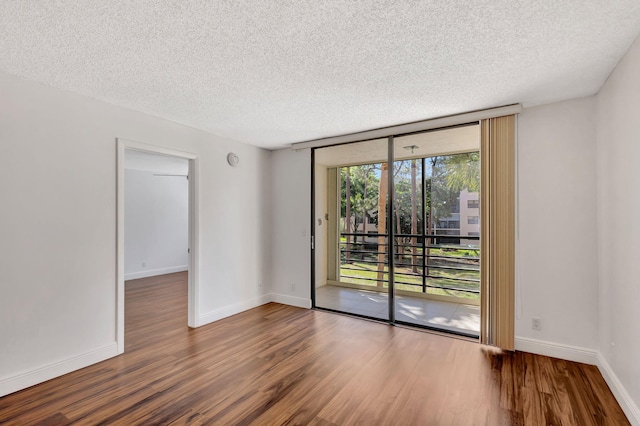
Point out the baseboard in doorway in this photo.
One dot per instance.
(229, 310)
(155, 272)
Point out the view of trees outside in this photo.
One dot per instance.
(431, 256)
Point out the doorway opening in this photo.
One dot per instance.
(397, 229)
(156, 225)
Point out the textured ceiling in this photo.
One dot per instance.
(274, 72)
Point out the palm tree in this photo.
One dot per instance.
(347, 218)
(382, 220)
(414, 218)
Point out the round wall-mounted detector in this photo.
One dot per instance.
(233, 159)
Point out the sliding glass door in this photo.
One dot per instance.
(419, 192)
(437, 250)
(351, 229)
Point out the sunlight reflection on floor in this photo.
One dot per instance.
(448, 316)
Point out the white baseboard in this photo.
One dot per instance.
(627, 404)
(557, 350)
(236, 308)
(24, 380)
(154, 272)
(587, 356)
(299, 302)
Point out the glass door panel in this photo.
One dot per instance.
(437, 220)
(351, 236)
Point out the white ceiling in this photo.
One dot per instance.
(270, 72)
(156, 163)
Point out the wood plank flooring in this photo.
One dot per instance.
(278, 364)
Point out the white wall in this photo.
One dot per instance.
(58, 226)
(156, 216)
(291, 183)
(557, 262)
(618, 160)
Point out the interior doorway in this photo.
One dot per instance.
(156, 221)
(156, 215)
(397, 229)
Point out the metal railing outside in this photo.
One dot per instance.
(437, 264)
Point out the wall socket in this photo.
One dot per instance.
(293, 287)
(144, 264)
(536, 323)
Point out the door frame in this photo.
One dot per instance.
(122, 145)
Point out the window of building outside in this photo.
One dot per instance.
(473, 204)
(473, 220)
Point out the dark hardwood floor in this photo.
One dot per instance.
(283, 365)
